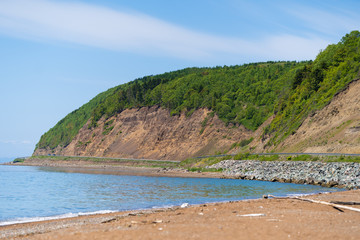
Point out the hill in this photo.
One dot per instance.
(198, 111)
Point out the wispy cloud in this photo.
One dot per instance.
(327, 20)
(102, 27)
(15, 142)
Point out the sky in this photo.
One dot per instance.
(57, 55)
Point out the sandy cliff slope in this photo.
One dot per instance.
(151, 133)
(334, 129)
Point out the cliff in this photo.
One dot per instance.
(151, 133)
(334, 129)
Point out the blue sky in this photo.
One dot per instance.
(57, 55)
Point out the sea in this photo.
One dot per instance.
(29, 194)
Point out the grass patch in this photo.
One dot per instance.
(242, 143)
(342, 158)
(18, 160)
(248, 156)
(107, 130)
(108, 127)
(201, 164)
(200, 169)
(305, 157)
(128, 162)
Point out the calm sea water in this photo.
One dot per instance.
(32, 193)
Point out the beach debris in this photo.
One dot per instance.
(273, 220)
(184, 205)
(157, 221)
(201, 214)
(160, 229)
(252, 215)
(109, 220)
(336, 206)
(159, 210)
(345, 203)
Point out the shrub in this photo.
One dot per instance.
(18, 160)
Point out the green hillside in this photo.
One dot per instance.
(246, 94)
(315, 84)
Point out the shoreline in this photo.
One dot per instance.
(326, 174)
(115, 168)
(65, 216)
(207, 221)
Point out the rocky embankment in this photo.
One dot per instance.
(329, 174)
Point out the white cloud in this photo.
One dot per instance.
(8, 141)
(327, 20)
(134, 32)
(15, 142)
(293, 47)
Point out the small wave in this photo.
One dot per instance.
(39, 219)
(164, 206)
(302, 194)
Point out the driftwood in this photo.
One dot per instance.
(345, 203)
(334, 205)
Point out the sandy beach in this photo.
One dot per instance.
(271, 219)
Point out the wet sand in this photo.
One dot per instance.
(275, 219)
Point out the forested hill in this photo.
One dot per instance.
(244, 95)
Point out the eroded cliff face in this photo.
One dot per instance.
(334, 129)
(151, 133)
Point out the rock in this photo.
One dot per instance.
(157, 221)
(339, 174)
(252, 215)
(332, 184)
(184, 205)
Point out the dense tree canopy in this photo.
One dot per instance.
(239, 94)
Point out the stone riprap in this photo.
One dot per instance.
(329, 174)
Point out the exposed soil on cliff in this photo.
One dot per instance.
(151, 133)
(334, 129)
